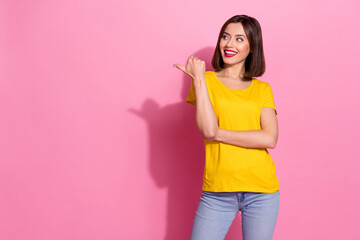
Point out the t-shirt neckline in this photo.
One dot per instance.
(237, 90)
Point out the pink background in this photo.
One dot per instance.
(97, 141)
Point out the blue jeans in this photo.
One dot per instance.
(217, 210)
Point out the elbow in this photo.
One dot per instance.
(272, 142)
(210, 135)
(272, 145)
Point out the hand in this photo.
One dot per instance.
(195, 67)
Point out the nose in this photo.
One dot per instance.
(229, 43)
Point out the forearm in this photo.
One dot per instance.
(249, 139)
(205, 115)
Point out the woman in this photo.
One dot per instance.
(235, 113)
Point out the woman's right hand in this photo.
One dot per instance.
(195, 68)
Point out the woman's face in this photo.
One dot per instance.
(235, 41)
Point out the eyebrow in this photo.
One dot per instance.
(236, 34)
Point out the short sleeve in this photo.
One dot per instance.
(191, 95)
(268, 98)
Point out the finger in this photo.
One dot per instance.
(197, 59)
(190, 59)
(180, 67)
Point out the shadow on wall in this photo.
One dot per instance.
(177, 157)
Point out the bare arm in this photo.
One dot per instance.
(205, 116)
(266, 137)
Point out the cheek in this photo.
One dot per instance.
(221, 45)
(244, 50)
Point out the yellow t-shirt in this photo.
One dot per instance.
(231, 168)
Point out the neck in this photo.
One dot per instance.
(235, 71)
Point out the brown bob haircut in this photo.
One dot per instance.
(255, 61)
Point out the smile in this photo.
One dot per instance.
(229, 53)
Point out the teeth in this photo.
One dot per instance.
(231, 53)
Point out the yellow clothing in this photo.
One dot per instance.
(231, 168)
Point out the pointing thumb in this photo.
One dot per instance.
(180, 67)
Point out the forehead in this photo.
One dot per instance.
(235, 28)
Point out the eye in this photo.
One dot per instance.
(240, 39)
(224, 37)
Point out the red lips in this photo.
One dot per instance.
(229, 50)
(229, 55)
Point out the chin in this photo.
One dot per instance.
(232, 61)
